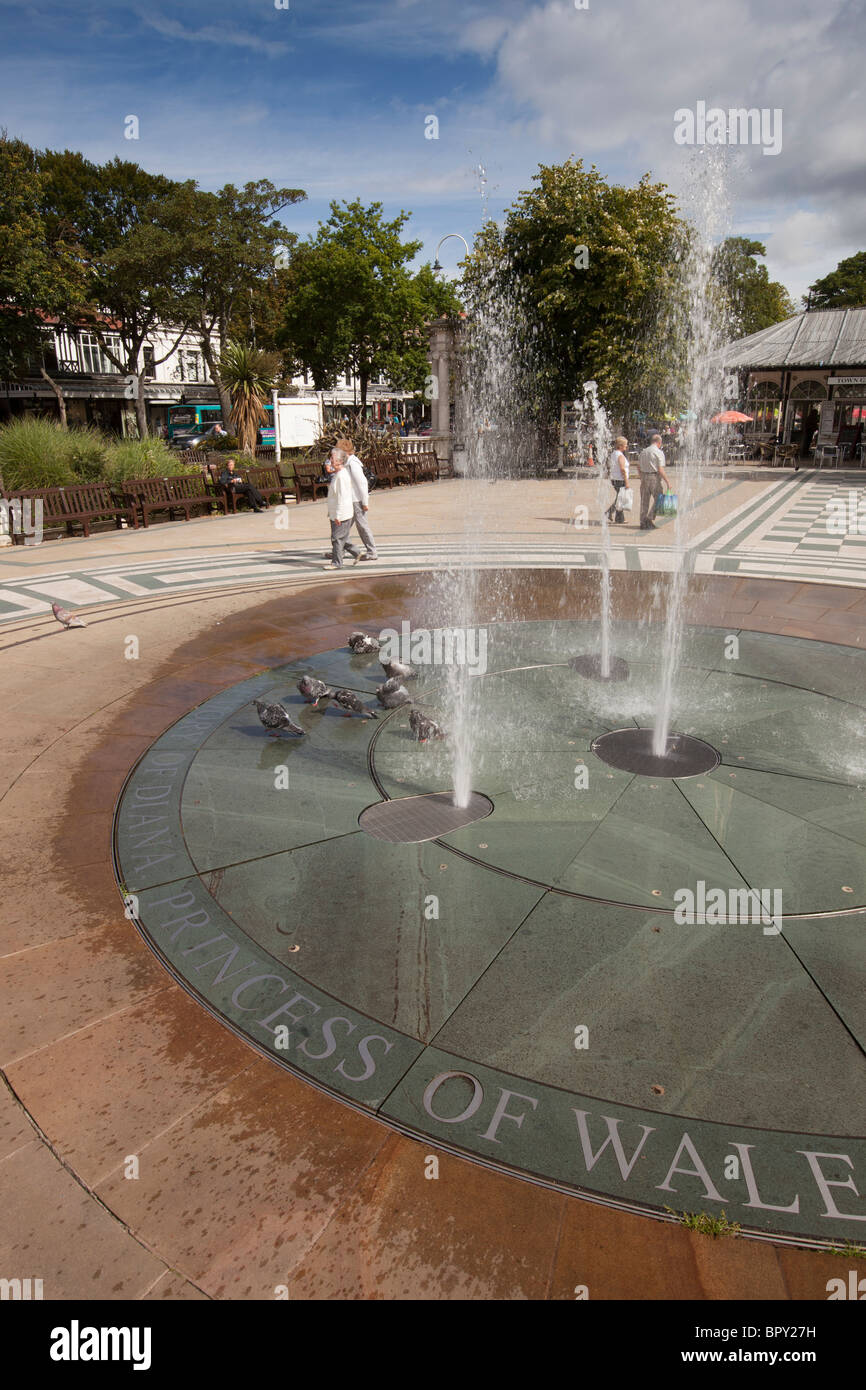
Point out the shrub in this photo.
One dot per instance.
(87, 454)
(370, 446)
(35, 453)
(142, 458)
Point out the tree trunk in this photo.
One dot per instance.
(224, 395)
(61, 403)
(140, 405)
(364, 378)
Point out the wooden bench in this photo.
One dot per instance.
(269, 482)
(444, 467)
(191, 491)
(308, 479)
(78, 505)
(424, 466)
(189, 456)
(266, 480)
(391, 471)
(183, 493)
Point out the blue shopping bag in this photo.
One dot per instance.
(666, 504)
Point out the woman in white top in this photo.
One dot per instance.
(618, 472)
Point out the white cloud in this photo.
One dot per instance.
(222, 34)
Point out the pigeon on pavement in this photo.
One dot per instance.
(313, 691)
(423, 727)
(392, 694)
(65, 617)
(399, 670)
(352, 705)
(276, 718)
(362, 642)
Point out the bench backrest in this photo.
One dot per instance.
(187, 485)
(75, 500)
(52, 498)
(269, 477)
(148, 489)
(307, 469)
(89, 497)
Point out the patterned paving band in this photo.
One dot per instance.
(631, 750)
(807, 528)
(413, 819)
(648, 991)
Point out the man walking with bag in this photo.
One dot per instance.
(652, 479)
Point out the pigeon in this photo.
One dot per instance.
(397, 669)
(423, 727)
(276, 718)
(362, 642)
(64, 616)
(351, 704)
(313, 691)
(392, 694)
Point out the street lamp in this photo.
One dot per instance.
(448, 235)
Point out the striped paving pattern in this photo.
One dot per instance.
(810, 527)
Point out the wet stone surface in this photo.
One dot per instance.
(614, 981)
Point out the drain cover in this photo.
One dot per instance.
(412, 819)
(631, 750)
(590, 665)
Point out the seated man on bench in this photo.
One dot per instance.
(234, 483)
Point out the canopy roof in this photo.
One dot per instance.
(818, 338)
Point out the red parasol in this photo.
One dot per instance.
(732, 417)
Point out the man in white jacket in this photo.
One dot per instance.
(341, 511)
(361, 496)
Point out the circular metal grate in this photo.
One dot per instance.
(412, 819)
(590, 665)
(631, 750)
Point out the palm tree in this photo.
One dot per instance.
(249, 375)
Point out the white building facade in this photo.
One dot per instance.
(96, 392)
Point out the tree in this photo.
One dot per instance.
(751, 300)
(843, 286)
(586, 268)
(132, 230)
(40, 271)
(352, 303)
(249, 375)
(234, 238)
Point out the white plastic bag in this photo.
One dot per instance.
(624, 499)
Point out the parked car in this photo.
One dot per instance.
(190, 439)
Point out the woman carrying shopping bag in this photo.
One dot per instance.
(618, 474)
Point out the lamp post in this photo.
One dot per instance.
(447, 237)
(440, 405)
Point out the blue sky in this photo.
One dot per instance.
(332, 95)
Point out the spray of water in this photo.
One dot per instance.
(499, 442)
(595, 426)
(696, 317)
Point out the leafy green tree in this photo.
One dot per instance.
(40, 268)
(751, 300)
(136, 253)
(353, 304)
(249, 374)
(846, 285)
(234, 242)
(589, 267)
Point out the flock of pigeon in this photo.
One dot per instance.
(391, 695)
